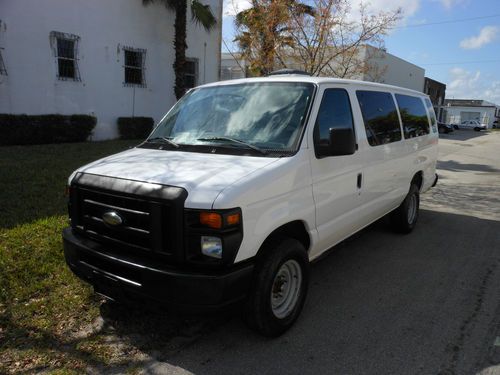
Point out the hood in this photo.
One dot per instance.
(203, 175)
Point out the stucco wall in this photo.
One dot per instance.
(104, 27)
(394, 71)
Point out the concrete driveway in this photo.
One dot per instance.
(379, 303)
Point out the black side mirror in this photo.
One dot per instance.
(342, 142)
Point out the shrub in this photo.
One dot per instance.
(41, 129)
(135, 127)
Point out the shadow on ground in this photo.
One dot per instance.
(378, 303)
(463, 135)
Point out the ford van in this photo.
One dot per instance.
(242, 184)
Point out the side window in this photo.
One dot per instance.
(432, 115)
(380, 117)
(66, 53)
(134, 59)
(334, 113)
(190, 73)
(3, 70)
(413, 115)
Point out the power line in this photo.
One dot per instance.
(463, 62)
(446, 22)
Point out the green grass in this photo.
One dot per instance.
(42, 305)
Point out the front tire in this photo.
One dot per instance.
(404, 218)
(279, 289)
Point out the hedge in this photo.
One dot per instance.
(41, 129)
(135, 127)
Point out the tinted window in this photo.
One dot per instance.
(334, 113)
(380, 117)
(413, 115)
(432, 115)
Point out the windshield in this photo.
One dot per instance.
(257, 117)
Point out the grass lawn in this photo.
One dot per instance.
(43, 306)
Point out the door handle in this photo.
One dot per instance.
(360, 180)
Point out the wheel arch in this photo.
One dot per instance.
(295, 229)
(418, 179)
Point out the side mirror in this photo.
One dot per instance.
(342, 142)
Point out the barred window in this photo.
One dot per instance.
(134, 66)
(191, 73)
(66, 52)
(3, 70)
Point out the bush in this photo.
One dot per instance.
(135, 127)
(41, 129)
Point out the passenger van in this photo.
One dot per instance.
(242, 184)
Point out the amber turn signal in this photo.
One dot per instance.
(233, 219)
(211, 219)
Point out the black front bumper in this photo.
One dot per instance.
(124, 279)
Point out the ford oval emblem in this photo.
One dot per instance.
(112, 218)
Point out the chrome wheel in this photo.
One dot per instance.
(412, 208)
(285, 290)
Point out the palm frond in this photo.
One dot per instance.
(201, 14)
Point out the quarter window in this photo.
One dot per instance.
(432, 115)
(66, 51)
(334, 113)
(134, 66)
(414, 116)
(380, 117)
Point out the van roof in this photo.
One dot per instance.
(315, 80)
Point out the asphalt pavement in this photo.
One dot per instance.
(382, 303)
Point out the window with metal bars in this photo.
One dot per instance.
(3, 70)
(191, 73)
(134, 67)
(66, 52)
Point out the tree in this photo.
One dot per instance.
(202, 15)
(262, 30)
(333, 43)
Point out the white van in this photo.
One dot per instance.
(242, 184)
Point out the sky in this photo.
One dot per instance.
(462, 50)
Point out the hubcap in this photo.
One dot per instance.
(286, 289)
(412, 208)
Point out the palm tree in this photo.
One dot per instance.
(263, 30)
(201, 14)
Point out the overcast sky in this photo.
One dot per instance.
(464, 53)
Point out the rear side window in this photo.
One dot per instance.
(380, 117)
(413, 115)
(432, 115)
(334, 113)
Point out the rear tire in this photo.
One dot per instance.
(477, 129)
(279, 288)
(404, 218)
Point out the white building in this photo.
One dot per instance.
(106, 58)
(458, 110)
(383, 67)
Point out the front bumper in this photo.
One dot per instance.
(125, 279)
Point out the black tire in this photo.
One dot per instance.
(477, 129)
(401, 220)
(456, 127)
(258, 312)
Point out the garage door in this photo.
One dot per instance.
(464, 116)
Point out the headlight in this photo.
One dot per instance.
(211, 246)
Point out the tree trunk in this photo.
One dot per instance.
(180, 47)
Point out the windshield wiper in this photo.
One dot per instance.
(169, 141)
(234, 140)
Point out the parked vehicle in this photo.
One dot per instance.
(444, 128)
(471, 124)
(242, 184)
